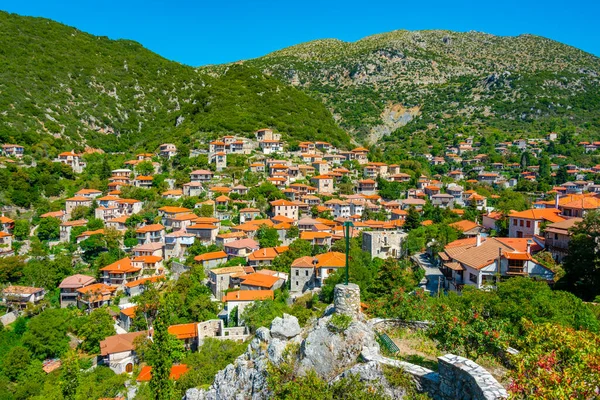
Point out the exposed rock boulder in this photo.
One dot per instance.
(285, 328)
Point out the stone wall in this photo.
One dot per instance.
(346, 299)
(458, 377)
(383, 324)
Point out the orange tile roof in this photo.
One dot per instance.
(119, 343)
(215, 255)
(314, 235)
(464, 225)
(150, 228)
(248, 295)
(173, 209)
(268, 253)
(260, 280)
(548, 214)
(176, 372)
(184, 331)
(120, 267)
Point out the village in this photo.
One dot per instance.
(317, 191)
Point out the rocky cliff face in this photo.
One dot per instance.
(332, 355)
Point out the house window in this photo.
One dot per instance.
(297, 272)
(521, 222)
(556, 236)
(514, 222)
(473, 278)
(529, 224)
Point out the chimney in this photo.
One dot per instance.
(478, 243)
(556, 200)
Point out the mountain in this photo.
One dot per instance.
(429, 80)
(61, 87)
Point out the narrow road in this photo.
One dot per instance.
(432, 273)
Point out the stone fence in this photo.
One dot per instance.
(458, 377)
(381, 323)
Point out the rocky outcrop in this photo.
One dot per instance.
(334, 354)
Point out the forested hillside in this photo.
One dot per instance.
(443, 80)
(65, 88)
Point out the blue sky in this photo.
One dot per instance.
(210, 32)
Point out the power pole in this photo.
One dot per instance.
(347, 225)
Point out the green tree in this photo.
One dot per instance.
(21, 229)
(267, 236)
(206, 210)
(145, 168)
(46, 336)
(413, 219)
(69, 376)
(48, 229)
(582, 264)
(15, 362)
(160, 383)
(98, 325)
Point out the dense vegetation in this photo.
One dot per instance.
(451, 79)
(63, 88)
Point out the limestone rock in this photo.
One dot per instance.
(286, 327)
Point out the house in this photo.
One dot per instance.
(367, 186)
(215, 328)
(248, 214)
(68, 288)
(117, 223)
(557, 237)
(211, 260)
(324, 183)
(221, 279)
(177, 371)
(241, 248)
(192, 189)
(491, 220)
(205, 232)
(21, 296)
(265, 256)
(187, 333)
(261, 281)
(467, 228)
(118, 351)
(138, 286)
(475, 200)
(308, 272)
(6, 224)
(400, 177)
(177, 243)
(60, 215)
(13, 150)
(240, 299)
(270, 146)
(478, 261)
(152, 233)
(6, 244)
(266, 134)
(359, 154)
(77, 201)
(150, 265)
(94, 296)
(528, 223)
(71, 159)
(383, 244)
(120, 272)
(66, 227)
(317, 238)
(580, 206)
(143, 181)
(285, 208)
(220, 160)
(126, 317)
(339, 208)
(443, 200)
(167, 150)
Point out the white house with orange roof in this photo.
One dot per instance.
(212, 259)
(324, 183)
(76, 201)
(120, 272)
(177, 243)
(152, 233)
(167, 150)
(13, 150)
(240, 299)
(309, 272)
(285, 208)
(71, 159)
(478, 261)
(528, 223)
